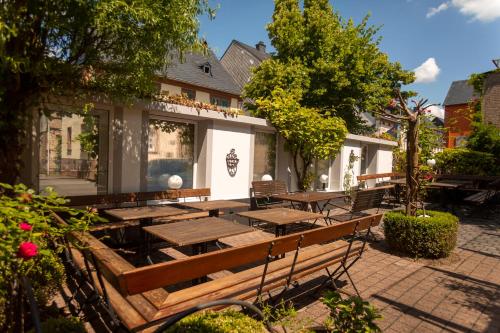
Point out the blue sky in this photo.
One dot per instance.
(462, 36)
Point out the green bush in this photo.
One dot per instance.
(434, 236)
(62, 325)
(350, 315)
(30, 246)
(229, 321)
(466, 162)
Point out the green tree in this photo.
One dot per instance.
(343, 70)
(308, 134)
(77, 50)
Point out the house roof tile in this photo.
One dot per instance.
(460, 92)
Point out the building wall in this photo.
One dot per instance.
(491, 100)
(224, 138)
(457, 121)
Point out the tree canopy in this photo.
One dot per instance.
(344, 71)
(75, 49)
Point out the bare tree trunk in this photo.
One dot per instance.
(412, 166)
(301, 173)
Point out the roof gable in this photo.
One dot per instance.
(460, 92)
(192, 70)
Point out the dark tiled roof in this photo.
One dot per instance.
(239, 59)
(190, 70)
(460, 92)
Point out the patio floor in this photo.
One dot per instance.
(458, 294)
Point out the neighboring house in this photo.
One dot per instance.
(457, 114)
(491, 99)
(240, 58)
(128, 148)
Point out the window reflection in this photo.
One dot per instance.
(73, 153)
(264, 155)
(170, 152)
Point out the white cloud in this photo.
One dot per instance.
(480, 10)
(436, 111)
(427, 72)
(434, 10)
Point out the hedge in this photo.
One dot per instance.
(434, 236)
(229, 321)
(466, 162)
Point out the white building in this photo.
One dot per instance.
(137, 148)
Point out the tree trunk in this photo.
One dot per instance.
(412, 166)
(301, 173)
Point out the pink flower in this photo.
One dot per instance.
(25, 226)
(27, 250)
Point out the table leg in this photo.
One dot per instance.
(146, 240)
(199, 249)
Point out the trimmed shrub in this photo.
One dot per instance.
(229, 321)
(434, 236)
(466, 162)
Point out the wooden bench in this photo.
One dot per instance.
(133, 199)
(483, 196)
(363, 200)
(376, 176)
(262, 191)
(137, 296)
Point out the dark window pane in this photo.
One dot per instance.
(173, 154)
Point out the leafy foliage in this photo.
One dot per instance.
(31, 242)
(284, 315)
(349, 174)
(340, 66)
(229, 321)
(350, 315)
(75, 49)
(430, 138)
(62, 325)
(308, 134)
(463, 161)
(434, 236)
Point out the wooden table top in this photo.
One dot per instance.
(281, 216)
(136, 213)
(309, 197)
(197, 231)
(214, 204)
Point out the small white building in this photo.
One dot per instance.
(120, 148)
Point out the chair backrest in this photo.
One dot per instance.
(370, 198)
(266, 188)
(164, 274)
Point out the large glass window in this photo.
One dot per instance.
(264, 160)
(170, 152)
(74, 153)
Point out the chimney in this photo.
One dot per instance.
(260, 46)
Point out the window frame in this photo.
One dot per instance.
(154, 116)
(220, 97)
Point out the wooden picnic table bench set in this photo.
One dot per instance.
(137, 298)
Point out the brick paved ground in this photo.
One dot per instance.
(460, 294)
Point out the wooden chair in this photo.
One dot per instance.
(363, 200)
(262, 191)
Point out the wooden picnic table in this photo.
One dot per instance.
(214, 206)
(145, 215)
(280, 217)
(197, 233)
(310, 199)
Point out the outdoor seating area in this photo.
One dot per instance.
(311, 177)
(179, 259)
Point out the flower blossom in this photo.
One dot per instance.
(25, 226)
(27, 250)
